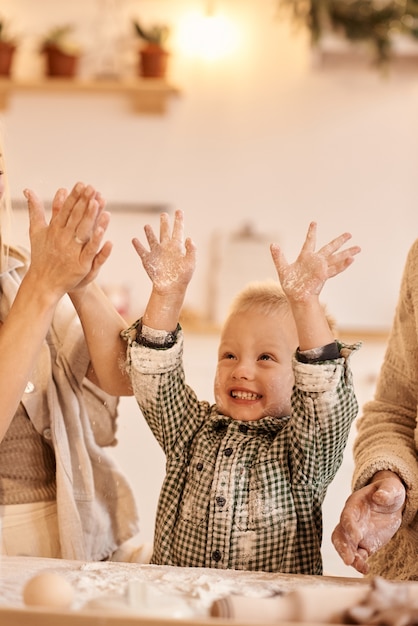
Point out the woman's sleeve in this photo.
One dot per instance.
(387, 435)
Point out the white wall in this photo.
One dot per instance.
(261, 137)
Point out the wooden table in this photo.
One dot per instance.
(93, 581)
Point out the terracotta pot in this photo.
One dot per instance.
(60, 63)
(7, 51)
(153, 61)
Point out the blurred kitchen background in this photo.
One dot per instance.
(256, 134)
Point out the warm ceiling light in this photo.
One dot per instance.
(210, 36)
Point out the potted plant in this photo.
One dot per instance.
(7, 50)
(153, 56)
(377, 23)
(61, 51)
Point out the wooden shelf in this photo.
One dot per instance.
(334, 52)
(148, 95)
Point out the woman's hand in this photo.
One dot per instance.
(66, 254)
(370, 518)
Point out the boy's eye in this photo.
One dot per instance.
(229, 355)
(265, 357)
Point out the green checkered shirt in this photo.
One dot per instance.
(243, 495)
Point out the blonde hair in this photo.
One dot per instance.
(5, 214)
(266, 297)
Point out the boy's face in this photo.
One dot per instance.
(254, 376)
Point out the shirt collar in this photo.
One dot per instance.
(267, 424)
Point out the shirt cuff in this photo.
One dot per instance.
(330, 352)
(157, 339)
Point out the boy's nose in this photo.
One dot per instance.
(243, 370)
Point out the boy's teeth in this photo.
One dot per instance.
(244, 395)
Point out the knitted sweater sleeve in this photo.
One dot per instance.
(387, 436)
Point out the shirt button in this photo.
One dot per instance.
(220, 501)
(228, 452)
(47, 433)
(199, 467)
(243, 429)
(29, 387)
(217, 555)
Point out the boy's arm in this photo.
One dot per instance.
(303, 280)
(170, 263)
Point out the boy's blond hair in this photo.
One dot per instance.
(266, 297)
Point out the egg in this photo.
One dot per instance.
(48, 589)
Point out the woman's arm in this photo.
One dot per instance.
(101, 322)
(385, 478)
(102, 325)
(58, 264)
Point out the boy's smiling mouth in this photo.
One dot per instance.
(245, 395)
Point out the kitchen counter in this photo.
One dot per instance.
(101, 588)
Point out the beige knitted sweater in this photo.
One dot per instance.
(388, 429)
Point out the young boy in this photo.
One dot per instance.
(246, 477)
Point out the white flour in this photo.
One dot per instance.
(99, 580)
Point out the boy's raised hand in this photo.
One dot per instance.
(171, 259)
(307, 275)
(170, 263)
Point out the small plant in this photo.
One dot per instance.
(5, 34)
(358, 21)
(156, 35)
(61, 52)
(8, 46)
(153, 56)
(61, 38)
